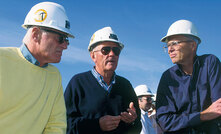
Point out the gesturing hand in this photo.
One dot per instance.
(131, 115)
(108, 123)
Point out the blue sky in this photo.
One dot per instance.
(139, 24)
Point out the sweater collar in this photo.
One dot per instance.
(101, 81)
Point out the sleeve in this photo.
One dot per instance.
(215, 78)
(57, 122)
(168, 116)
(76, 123)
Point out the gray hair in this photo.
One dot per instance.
(192, 38)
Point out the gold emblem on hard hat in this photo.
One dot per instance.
(92, 38)
(40, 15)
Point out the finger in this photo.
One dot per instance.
(132, 115)
(124, 114)
(132, 112)
(113, 127)
(116, 121)
(126, 117)
(125, 120)
(116, 118)
(108, 123)
(131, 106)
(110, 128)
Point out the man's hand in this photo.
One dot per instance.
(212, 112)
(131, 115)
(108, 123)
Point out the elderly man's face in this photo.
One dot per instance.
(106, 62)
(52, 45)
(181, 49)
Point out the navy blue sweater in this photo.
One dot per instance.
(86, 101)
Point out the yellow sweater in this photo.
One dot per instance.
(31, 97)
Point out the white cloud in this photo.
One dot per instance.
(74, 54)
(142, 63)
(142, 60)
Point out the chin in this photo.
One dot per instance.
(174, 61)
(111, 68)
(57, 61)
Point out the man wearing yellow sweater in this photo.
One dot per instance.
(31, 94)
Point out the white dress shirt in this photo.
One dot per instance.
(147, 127)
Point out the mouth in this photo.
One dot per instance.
(59, 53)
(172, 55)
(111, 62)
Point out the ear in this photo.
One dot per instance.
(36, 34)
(194, 46)
(93, 56)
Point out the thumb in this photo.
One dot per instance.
(131, 106)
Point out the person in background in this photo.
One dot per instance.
(152, 116)
(99, 101)
(189, 93)
(144, 95)
(31, 94)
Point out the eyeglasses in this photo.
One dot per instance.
(61, 39)
(148, 99)
(174, 43)
(106, 50)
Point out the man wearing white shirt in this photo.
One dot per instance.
(144, 95)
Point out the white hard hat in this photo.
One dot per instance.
(104, 34)
(154, 97)
(48, 14)
(143, 90)
(182, 27)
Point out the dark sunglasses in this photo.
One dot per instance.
(106, 50)
(61, 39)
(148, 99)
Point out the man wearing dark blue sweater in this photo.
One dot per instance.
(99, 101)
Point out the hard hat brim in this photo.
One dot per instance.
(145, 94)
(66, 31)
(164, 39)
(92, 45)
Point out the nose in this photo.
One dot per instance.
(65, 45)
(170, 49)
(111, 53)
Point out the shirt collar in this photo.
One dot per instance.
(143, 112)
(101, 81)
(99, 77)
(196, 62)
(28, 56)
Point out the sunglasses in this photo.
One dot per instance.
(61, 39)
(148, 99)
(106, 50)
